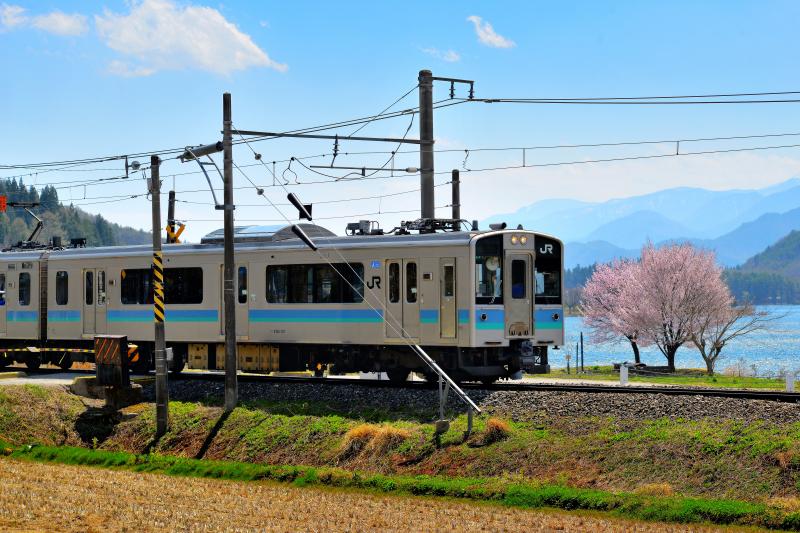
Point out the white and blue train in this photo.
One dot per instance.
(484, 304)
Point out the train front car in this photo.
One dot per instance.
(518, 310)
(548, 310)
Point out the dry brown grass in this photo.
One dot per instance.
(371, 439)
(655, 489)
(789, 504)
(497, 429)
(37, 497)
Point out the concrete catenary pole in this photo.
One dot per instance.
(426, 146)
(231, 386)
(162, 392)
(456, 198)
(171, 217)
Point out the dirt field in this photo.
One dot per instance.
(37, 497)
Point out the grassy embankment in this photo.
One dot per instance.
(684, 377)
(718, 471)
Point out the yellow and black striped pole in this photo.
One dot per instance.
(162, 392)
(158, 286)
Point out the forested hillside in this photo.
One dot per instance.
(773, 276)
(66, 222)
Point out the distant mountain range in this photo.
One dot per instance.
(735, 223)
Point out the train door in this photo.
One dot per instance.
(447, 298)
(518, 294)
(100, 301)
(402, 298)
(2, 303)
(88, 303)
(242, 303)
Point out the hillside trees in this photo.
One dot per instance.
(62, 221)
(672, 296)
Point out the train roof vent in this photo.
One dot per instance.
(264, 233)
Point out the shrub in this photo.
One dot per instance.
(496, 430)
(371, 439)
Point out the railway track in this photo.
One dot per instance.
(744, 394)
(770, 395)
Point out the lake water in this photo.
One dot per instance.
(766, 352)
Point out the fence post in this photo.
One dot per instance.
(623, 374)
(789, 381)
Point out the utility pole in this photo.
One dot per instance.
(426, 143)
(162, 392)
(456, 198)
(171, 217)
(231, 392)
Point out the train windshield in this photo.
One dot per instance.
(489, 270)
(548, 271)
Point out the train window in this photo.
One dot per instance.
(488, 270)
(518, 275)
(101, 287)
(411, 282)
(337, 283)
(181, 286)
(135, 286)
(24, 288)
(89, 287)
(449, 281)
(394, 282)
(242, 285)
(2, 289)
(62, 287)
(276, 284)
(547, 271)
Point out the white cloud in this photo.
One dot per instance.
(451, 56)
(56, 22)
(120, 68)
(61, 23)
(487, 35)
(12, 16)
(163, 36)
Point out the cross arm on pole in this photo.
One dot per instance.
(251, 133)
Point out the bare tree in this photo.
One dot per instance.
(714, 330)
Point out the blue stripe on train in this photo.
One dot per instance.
(63, 316)
(428, 316)
(495, 319)
(22, 316)
(334, 316)
(172, 315)
(548, 318)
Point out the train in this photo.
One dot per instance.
(484, 304)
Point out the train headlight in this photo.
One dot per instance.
(514, 239)
(523, 239)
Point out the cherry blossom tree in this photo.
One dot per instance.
(674, 289)
(602, 302)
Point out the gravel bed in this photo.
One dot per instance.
(533, 405)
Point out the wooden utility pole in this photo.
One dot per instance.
(231, 386)
(162, 391)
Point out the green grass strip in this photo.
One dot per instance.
(520, 495)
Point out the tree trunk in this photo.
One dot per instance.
(670, 354)
(709, 365)
(635, 347)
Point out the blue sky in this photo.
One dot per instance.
(83, 79)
